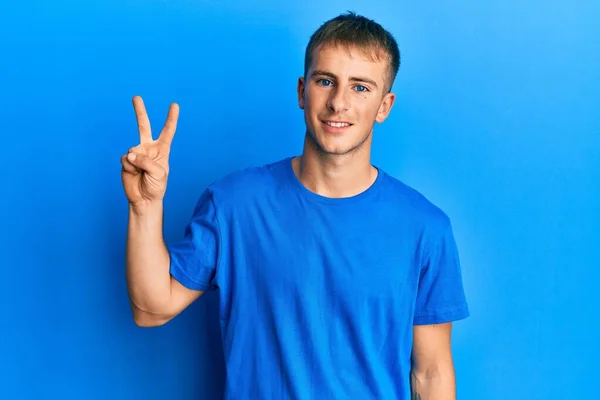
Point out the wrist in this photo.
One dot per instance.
(145, 208)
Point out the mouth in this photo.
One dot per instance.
(335, 126)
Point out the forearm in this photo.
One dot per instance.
(438, 384)
(147, 260)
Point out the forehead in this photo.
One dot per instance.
(345, 60)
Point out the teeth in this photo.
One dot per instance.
(338, 124)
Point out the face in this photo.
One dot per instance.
(343, 95)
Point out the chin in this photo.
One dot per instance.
(335, 146)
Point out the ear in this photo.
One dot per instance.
(301, 93)
(385, 107)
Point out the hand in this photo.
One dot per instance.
(146, 166)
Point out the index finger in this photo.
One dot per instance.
(170, 125)
(143, 121)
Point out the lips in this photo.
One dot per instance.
(337, 124)
(336, 127)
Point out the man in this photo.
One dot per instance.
(336, 281)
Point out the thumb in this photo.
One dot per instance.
(145, 163)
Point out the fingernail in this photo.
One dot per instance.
(131, 157)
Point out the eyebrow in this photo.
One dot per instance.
(353, 78)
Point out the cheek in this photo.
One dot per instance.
(315, 98)
(374, 109)
(366, 110)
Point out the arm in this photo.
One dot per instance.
(155, 296)
(440, 301)
(432, 375)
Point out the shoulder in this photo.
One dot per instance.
(245, 184)
(413, 204)
(429, 224)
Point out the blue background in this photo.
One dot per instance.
(497, 121)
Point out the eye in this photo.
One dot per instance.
(362, 88)
(324, 82)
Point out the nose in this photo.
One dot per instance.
(338, 101)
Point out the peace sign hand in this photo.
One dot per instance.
(146, 166)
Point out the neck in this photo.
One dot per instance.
(335, 176)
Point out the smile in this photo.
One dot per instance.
(337, 124)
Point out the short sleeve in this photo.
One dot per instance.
(440, 296)
(194, 259)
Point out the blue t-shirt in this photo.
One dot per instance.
(318, 296)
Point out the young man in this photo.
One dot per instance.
(336, 280)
